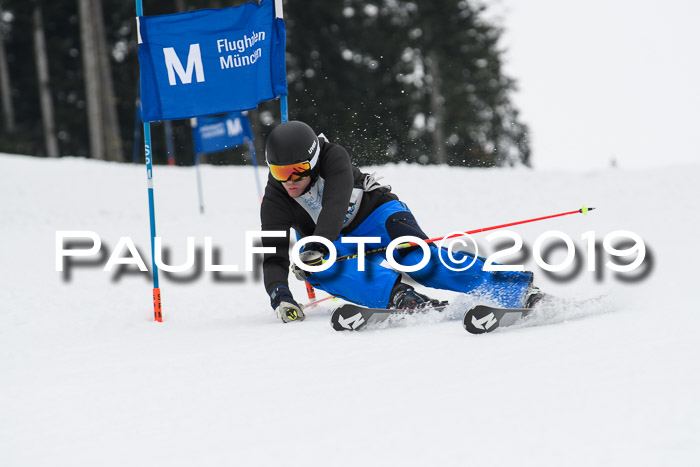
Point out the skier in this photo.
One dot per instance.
(313, 187)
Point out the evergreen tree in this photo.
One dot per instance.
(393, 80)
(386, 77)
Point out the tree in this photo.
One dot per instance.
(404, 80)
(113, 141)
(462, 52)
(437, 108)
(8, 110)
(91, 73)
(105, 142)
(42, 66)
(399, 80)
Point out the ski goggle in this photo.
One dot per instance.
(298, 170)
(293, 172)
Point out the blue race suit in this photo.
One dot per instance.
(373, 286)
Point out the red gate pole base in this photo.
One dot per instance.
(157, 310)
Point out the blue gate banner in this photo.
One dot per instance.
(210, 61)
(213, 134)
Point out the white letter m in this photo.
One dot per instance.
(194, 61)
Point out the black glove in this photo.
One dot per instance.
(312, 255)
(286, 308)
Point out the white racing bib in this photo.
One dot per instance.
(311, 201)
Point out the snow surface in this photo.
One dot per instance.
(87, 378)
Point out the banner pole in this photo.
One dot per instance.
(279, 13)
(157, 308)
(284, 110)
(194, 123)
(137, 125)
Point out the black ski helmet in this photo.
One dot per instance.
(292, 142)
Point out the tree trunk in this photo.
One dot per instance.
(169, 145)
(168, 125)
(91, 76)
(8, 110)
(180, 6)
(113, 140)
(437, 109)
(258, 142)
(42, 66)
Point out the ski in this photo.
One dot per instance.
(482, 318)
(354, 317)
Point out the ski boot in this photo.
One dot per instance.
(405, 297)
(533, 296)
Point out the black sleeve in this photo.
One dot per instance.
(275, 215)
(338, 173)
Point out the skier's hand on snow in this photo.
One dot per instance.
(286, 308)
(312, 255)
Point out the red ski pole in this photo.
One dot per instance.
(584, 210)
